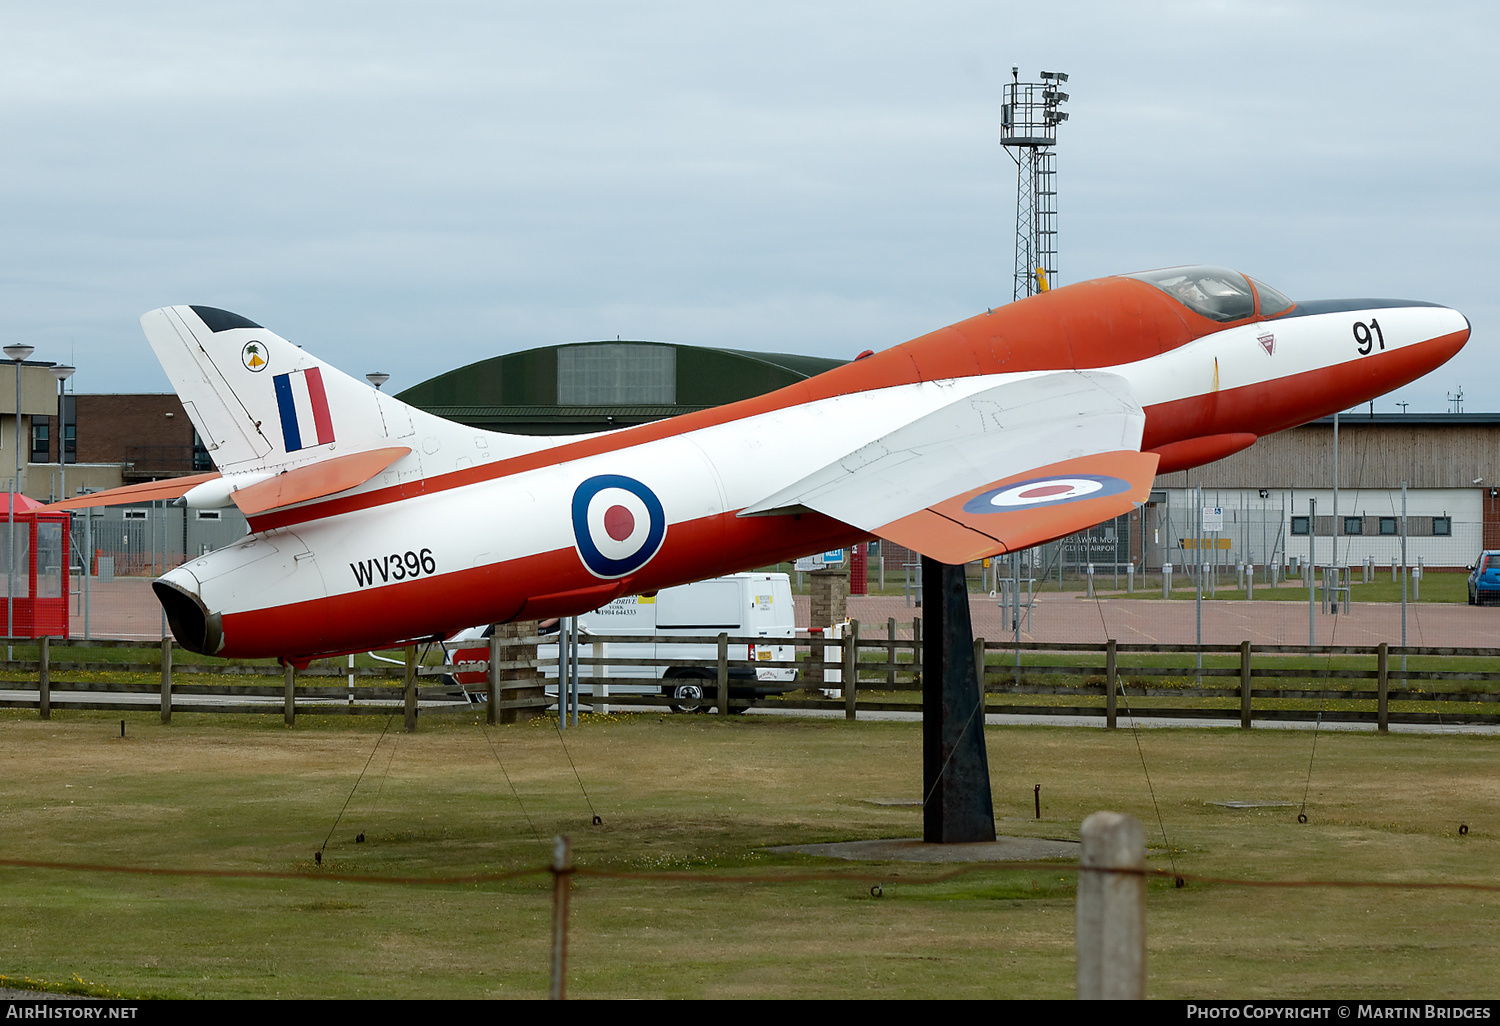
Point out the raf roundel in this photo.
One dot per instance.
(618, 524)
(1045, 491)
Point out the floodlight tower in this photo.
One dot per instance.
(1029, 118)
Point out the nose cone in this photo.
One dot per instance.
(1449, 333)
(1453, 330)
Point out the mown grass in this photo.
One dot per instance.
(1440, 588)
(712, 795)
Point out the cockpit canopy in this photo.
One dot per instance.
(1216, 292)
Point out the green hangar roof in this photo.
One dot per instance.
(594, 386)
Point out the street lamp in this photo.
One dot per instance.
(377, 378)
(62, 373)
(16, 353)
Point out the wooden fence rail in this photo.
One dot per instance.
(850, 674)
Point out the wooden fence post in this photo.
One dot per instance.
(890, 653)
(1383, 683)
(979, 670)
(1245, 685)
(723, 674)
(851, 669)
(288, 696)
(1111, 684)
(44, 679)
(1111, 923)
(562, 880)
(411, 689)
(166, 680)
(492, 682)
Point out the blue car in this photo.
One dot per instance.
(1484, 579)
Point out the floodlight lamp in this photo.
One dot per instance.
(19, 352)
(1047, 75)
(1061, 76)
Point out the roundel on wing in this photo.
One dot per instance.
(1045, 491)
(618, 524)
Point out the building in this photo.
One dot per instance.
(596, 386)
(1277, 497)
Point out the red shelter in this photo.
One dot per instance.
(39, 585)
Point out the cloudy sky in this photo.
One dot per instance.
(412, 187)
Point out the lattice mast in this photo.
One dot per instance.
(1029, 118)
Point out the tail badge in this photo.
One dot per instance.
(253, 356)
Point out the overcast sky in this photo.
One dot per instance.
(412, 187)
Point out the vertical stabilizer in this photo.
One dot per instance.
(261, 403)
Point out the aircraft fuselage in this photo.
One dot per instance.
(565, 526)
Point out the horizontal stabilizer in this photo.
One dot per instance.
(315, 480)
(150, 491)
(1027, 509)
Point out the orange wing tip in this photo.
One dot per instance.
(1028, 509)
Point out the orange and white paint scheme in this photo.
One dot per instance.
(373, 523)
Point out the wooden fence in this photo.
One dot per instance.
(1439, 686)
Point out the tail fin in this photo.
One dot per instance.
(262, 404)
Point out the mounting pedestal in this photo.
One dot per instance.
(955, 768)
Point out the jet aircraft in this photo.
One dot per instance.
(374, 524)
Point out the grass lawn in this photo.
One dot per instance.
(709, 795)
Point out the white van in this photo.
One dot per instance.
(748, 604)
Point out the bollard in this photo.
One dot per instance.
(1250, 582)
(1091, 580)
(1166, 580)
(1111, 916)
(1130, 578)
(1239, 577)
(1416, 582)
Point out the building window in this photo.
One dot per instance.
(1442, 526)
(201, 459)
(1300, 526)
(1388, 525)
(617, 374)
(70, 441)
(41, 434)
(1354, 525)
(209, 514)
(135, 514)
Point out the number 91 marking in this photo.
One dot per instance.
(1368, 336)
